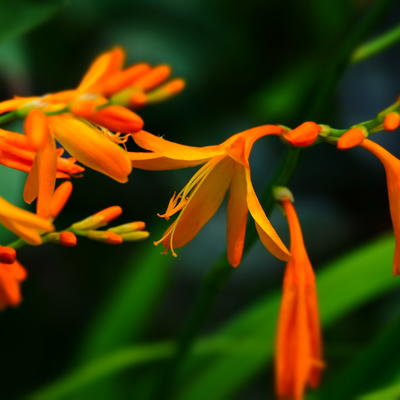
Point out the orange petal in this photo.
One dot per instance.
(202, 204)
(91, 147)
(237, 216)
(30, 235)
(266, 231)
(60, 198)
(352, 138)
(304, 135)
(153, 78)
(392, 169)
(156, 162)
(31, 186)
(14, 104)
(36, 128)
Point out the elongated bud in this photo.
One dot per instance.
(135, 236)
(67, 239)
(391, 121)
(36, 128)
(304, 135)
(352, 138)
(153, 78)
(8, 255)
(138, 99)
(60, 198)
(129, 227)
(99, 219)
(282, 193)
(105, 237)
(166, 91)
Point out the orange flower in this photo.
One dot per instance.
(11, 275)
(23, 223)
(392, 169)
(298, 348)
(226, 167)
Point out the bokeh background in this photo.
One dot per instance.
(245, 63)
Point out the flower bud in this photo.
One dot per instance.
(391, 121)
(128, 227)
(105, 237)
(99, 219)
(304, 135)
(8, 255)
(353, 137)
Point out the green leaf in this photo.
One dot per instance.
(20, 16)
(389, 393)
(357, 277)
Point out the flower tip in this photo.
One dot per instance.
(352, 138)
(8, 255)
(68, 239)
(282, 193)
(391, 121)
(303, 135)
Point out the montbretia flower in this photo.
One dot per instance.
(226, 168)
(298, 360)
(11, 276)
(392, 169)
(24, 224)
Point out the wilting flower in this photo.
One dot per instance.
(11, 276)
(298, 348)
(226, 167)
(24, 224)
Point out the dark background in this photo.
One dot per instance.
(246, 64)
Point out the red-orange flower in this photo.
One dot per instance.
(11, 276)
(392, 169)
(298, 348)
(226, 168)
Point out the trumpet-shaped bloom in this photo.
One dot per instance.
(298, 348)
(225, 168)
(392, 169)
(11, 276)
(23, 223)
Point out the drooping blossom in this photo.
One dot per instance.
(225, 169)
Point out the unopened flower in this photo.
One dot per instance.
(11, 276)
(298, 361)
(304, 135)
(226, 167)
(391, 121)
(352, 138)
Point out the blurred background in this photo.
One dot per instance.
(246, 64)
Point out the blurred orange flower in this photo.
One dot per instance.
(11, 276)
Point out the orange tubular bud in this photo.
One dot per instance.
(99, 219)
(36, 128)
(68, 239)
(8, 255)
(11, 276)
(138, 99)
(391, 121)
(352, 138)
(105, 237)
(304, 135)
(166, 91)
(153, 78)
(60, 198)
(129, 227)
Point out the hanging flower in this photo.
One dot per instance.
(225, 168)
(298, 348)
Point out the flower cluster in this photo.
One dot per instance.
(91, 125)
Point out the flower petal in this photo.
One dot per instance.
(266, 231)
(201, 205)
(237, 216)
(91, 147)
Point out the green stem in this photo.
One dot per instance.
(376, 45)
(16, 244)
(9, 117)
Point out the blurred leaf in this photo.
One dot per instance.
(341, 276)
(247, 341)
(20, 16)
(389, 393)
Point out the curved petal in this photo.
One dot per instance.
(169, 149)
(266, 231)
(201, 205)
(237, 216)
(14, 104)
(26, 233)
(157, 162)
(91, 147)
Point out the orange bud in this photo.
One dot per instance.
(304, 135)
(138, 99)
(68, 239)
(8, 255)
(60, 198)
(99, 219)
(166, 91)
(153, 78)
(352, 138)
(36, 128)
(105, 237)
(391, 121)
(129, 227)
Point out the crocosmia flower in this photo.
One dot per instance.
(225, 169)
